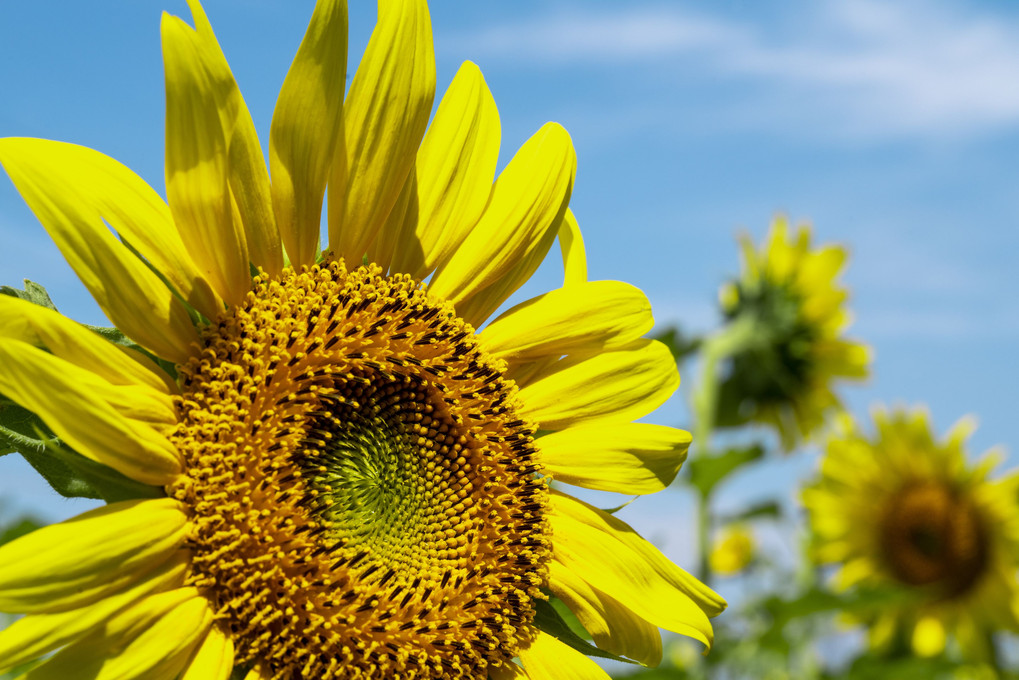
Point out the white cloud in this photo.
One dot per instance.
(884, 260)
(953, 325)
(861, 66)
(634, 33)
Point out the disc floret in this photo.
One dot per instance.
(364, 498)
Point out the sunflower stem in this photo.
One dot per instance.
(730, 340)
(993, 658)
(704, 522)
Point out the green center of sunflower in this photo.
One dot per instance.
(931, 535)
(364, 499)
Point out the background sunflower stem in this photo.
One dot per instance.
(704, 522)
(730, 340)
(993, 658)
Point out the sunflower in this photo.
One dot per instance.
(905, 513)
(793, 310)
(733, 551)
(345, 476)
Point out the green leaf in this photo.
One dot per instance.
(768, 509)
(680, 344)
(879, 667)
(33, 292)
(568, 617)
(706, 472)
(815, 601)
(548, 620)
(21, 527)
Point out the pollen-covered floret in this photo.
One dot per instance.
(364, 499)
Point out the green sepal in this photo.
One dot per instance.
(548, 620)
(617, 508)
(18, 429)
(33, 293)
(36, 294)
(240, 672)
(19, 671)
(60, 476)
(69, 473)
(706, 472)
(101, 481)
(117, 337)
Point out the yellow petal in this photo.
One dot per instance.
(453, 176)
(118, 426)
(397, 234)
(384, 117)
(484, 303)
(630, 458)
(620, 385)
(152, 640)
(613, 626)
(72, 190)
(549, 659)
(214, 658)
(197, 183)
(585, 317)
(134, 210)
(32, 636)
(571, 242)
(306, 127)
(929, 636)
(36, 325)
(608, 554)
(518, 226)
(76, 562)
(523, 374)
(248, 179)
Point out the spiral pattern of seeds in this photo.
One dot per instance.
(364, 499)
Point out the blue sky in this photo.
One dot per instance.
(892, 126)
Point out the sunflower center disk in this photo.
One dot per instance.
(932, 536)
(364, 498)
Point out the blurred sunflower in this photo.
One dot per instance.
(907, 513)
(347, 477)
(791, 314)
(733, 550)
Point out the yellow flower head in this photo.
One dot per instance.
(344, 475)
(795, 310)
(733, 551)
(908, 513)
